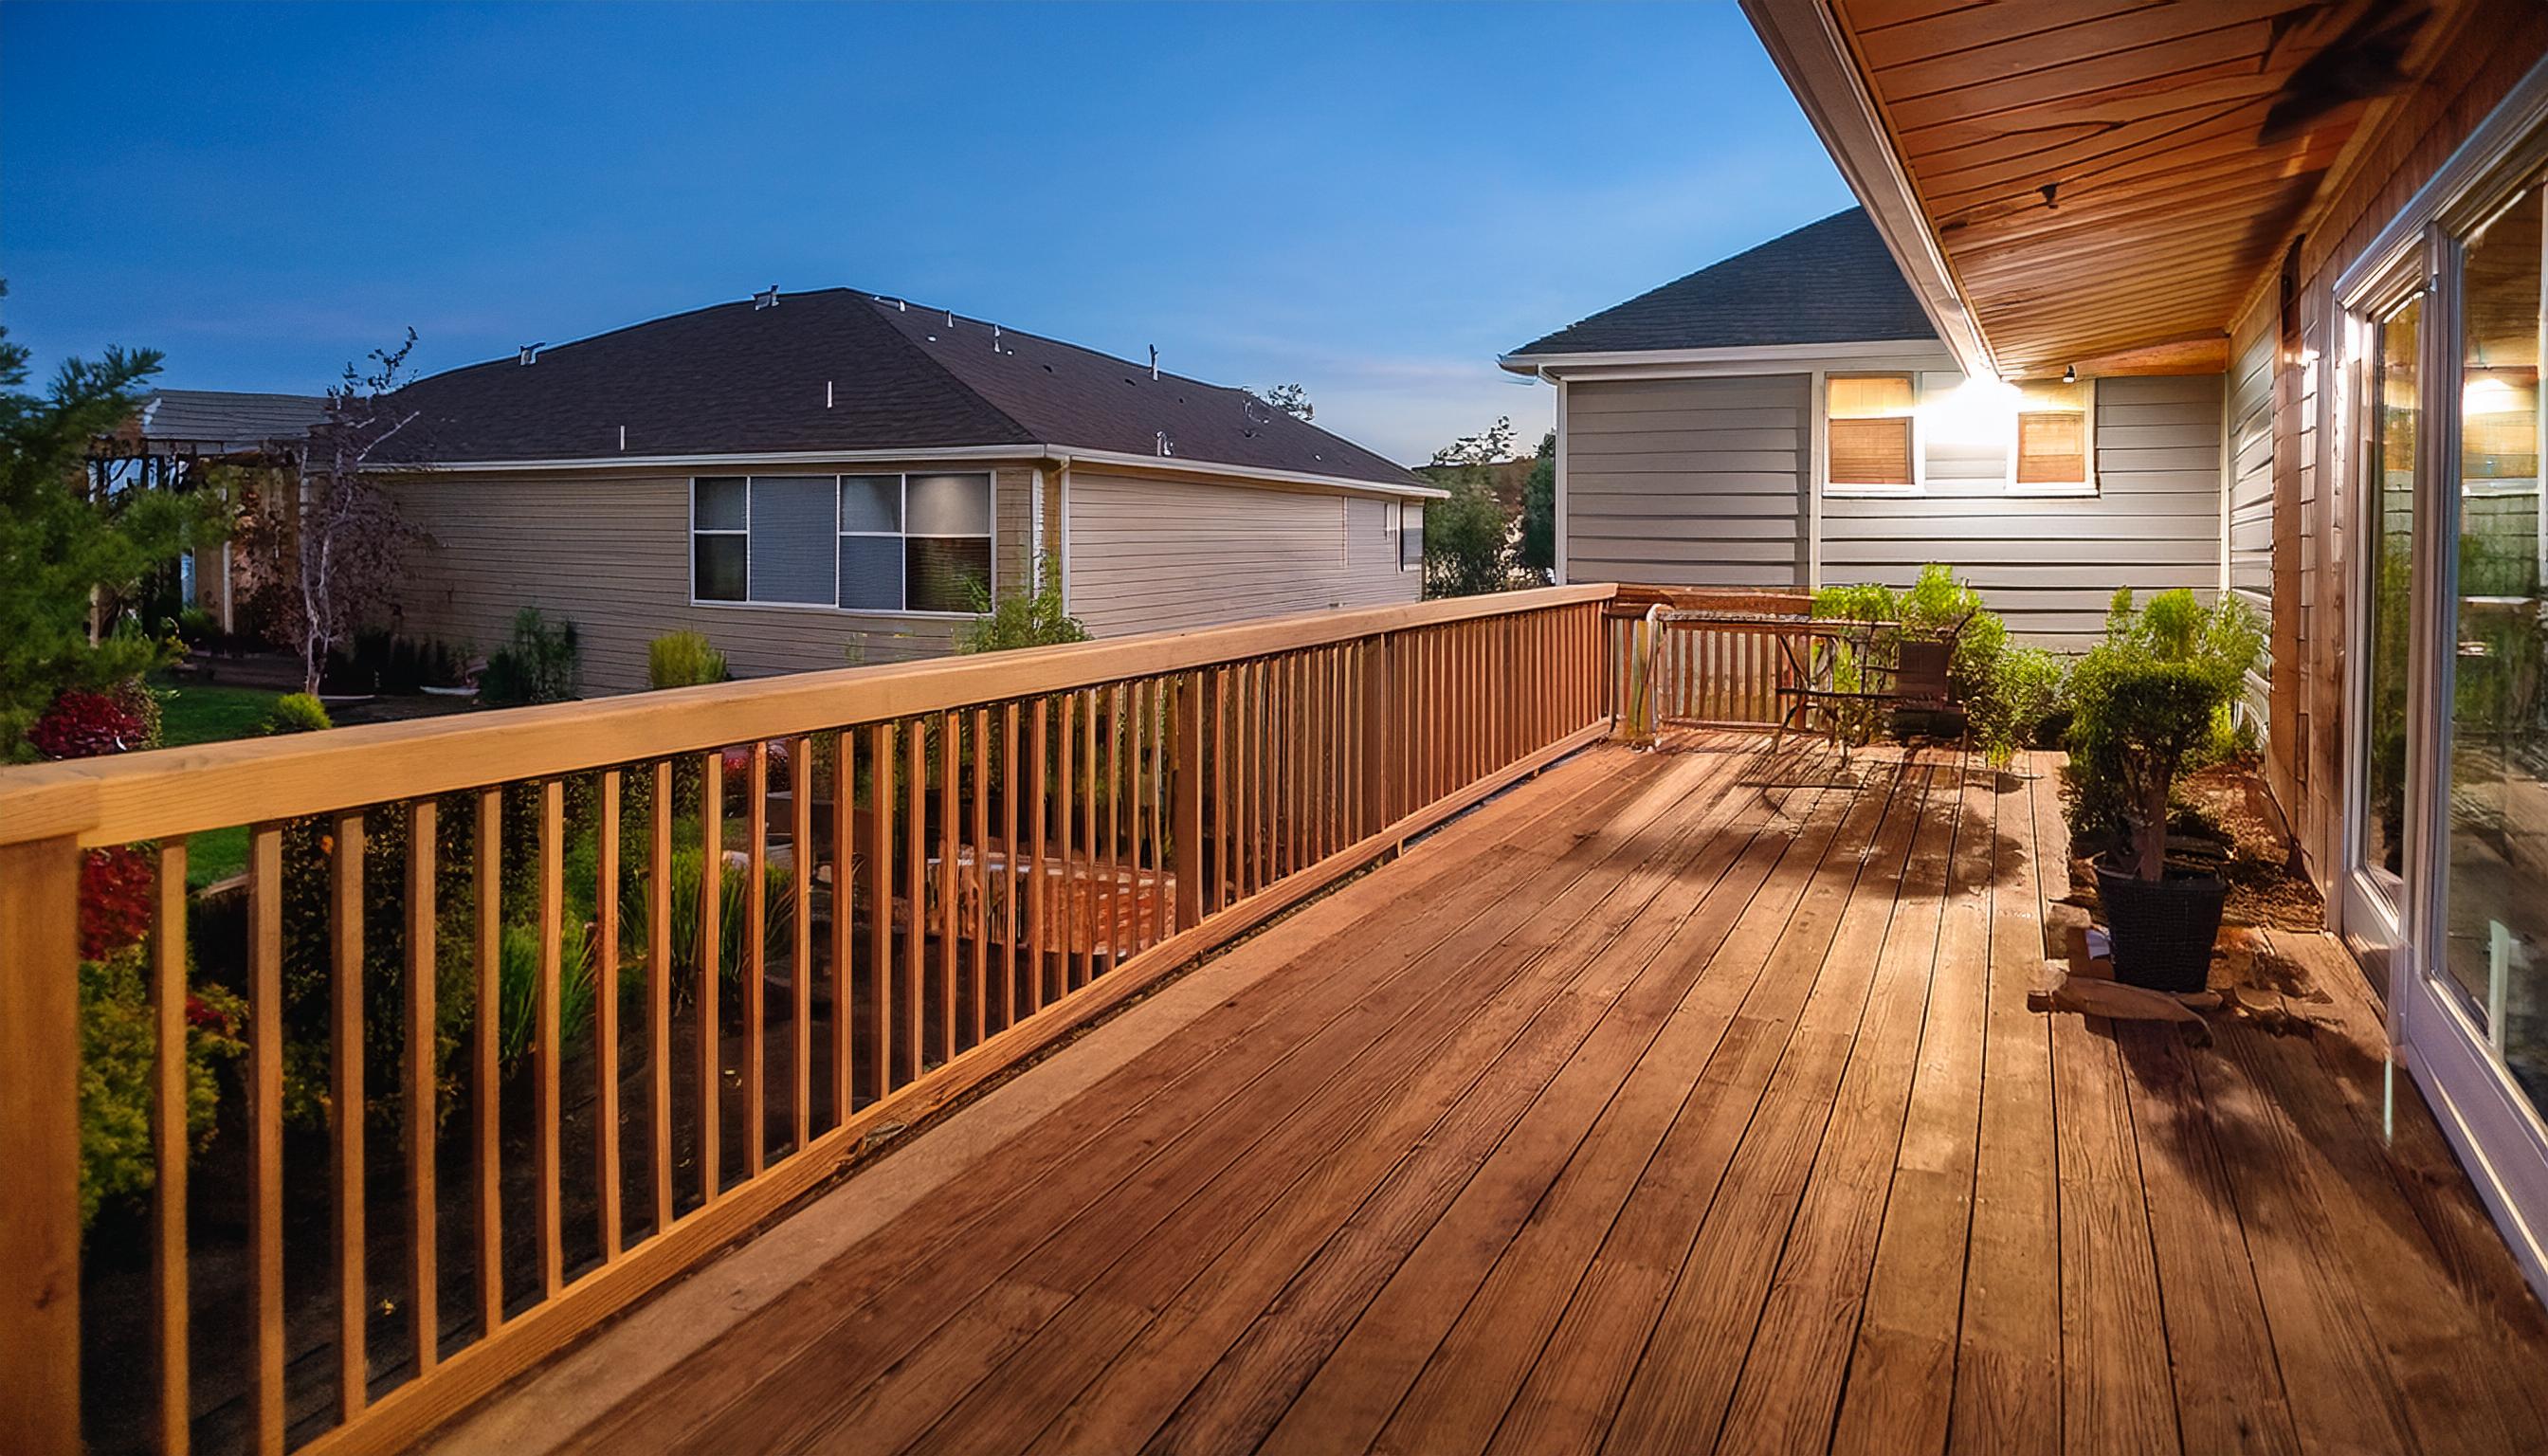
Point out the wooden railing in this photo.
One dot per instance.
(1695, 671)
(483, 994)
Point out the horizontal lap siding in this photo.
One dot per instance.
(1687, 482)
(2251, 479)
(1159, 555)
(611, 552)
(2050, 564)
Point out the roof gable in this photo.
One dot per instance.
(1827, 282)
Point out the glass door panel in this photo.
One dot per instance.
(2495, 884)
(2396, 411)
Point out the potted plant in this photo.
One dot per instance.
(2148, 702)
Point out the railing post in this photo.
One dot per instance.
(1189, 808)
(40, 1236)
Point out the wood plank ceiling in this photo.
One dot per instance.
(2109, 178)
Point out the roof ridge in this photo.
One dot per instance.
(904, 342)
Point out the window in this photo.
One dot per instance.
(859, 542)
(1410, 536)
(1868, 429)
(2052, 433)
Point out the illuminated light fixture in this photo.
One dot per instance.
(2070, 374)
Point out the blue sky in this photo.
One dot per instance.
(1372, 200)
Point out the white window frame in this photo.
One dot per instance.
(1919, 482)
(902, 479)
(1403, 565)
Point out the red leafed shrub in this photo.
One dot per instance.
(82, 725)
(737, 764)
(114, 901)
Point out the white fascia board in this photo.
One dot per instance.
(1182, 465)
(1815, 58)
(1911, 353)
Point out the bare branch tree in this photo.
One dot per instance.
(349, 537)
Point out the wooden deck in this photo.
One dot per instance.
(1675, 1101)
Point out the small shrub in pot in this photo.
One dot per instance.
(2148, 702)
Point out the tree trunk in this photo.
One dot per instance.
(2153, 829)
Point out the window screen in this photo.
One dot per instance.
(1410, 536)
(871, 572)
(720, 511)
(791, 537)
(1868, 428)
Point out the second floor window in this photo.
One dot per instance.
(1868, 425)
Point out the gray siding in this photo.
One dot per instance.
(2049, 563)
(1688, 482)
(1168, 554)
(2251, 479)
(612, 550)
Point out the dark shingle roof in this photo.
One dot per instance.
(836, 369)
(227, 418)
(1827, 282)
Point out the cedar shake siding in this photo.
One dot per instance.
(612, 550)
(2049, 563)
(1689, 481)
(1164, 555)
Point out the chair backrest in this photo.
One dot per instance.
(1921, 665)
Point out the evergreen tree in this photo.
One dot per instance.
(1538, 550)
(62, 540)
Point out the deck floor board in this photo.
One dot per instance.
(1681, 1101)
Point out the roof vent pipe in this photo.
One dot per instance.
(827, 394)
(1155, 369)
(1166, 446)
(529, 354)
(767, 299)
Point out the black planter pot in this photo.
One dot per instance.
(2163, 932)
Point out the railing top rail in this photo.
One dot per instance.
(186, 790)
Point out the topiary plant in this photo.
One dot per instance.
(2146, 702)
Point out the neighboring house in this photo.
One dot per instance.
(176, 435)
(817, 478)
(2295, 254)
(1790, 417)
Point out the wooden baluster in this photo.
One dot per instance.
(265, 1124)
(658, 991)
(549, 1106)
(1038, 902)
(485, 1097)
(1111, 881)
(1220, 839)
(915, 876)
(1249, 710)
(800, 961)
(981, 793)
(1154, 733)
(422, 1116)
(709, 1052)
(346, 1108)
(880, 1001)
(169, 1145)
(1066, 769)
(845, 854)
(1188, 795)
(949, 749)
(1141, 894)
(606, 1015)
(753, 973)
(1012, 859)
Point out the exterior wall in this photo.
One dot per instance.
(1711, 482)
(2049, 563)
(612, 550)
(2249, 506)
(1689, 481)
(1167, 554)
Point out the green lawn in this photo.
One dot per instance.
(209, 712)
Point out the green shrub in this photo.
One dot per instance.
(2025, 687)
(2006, 692)
(2148, 705)
(779, 910)
(1038, 620)
(295, 712)
(517, 989)
(683, 659)
(542, 663)
(116, 1053)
